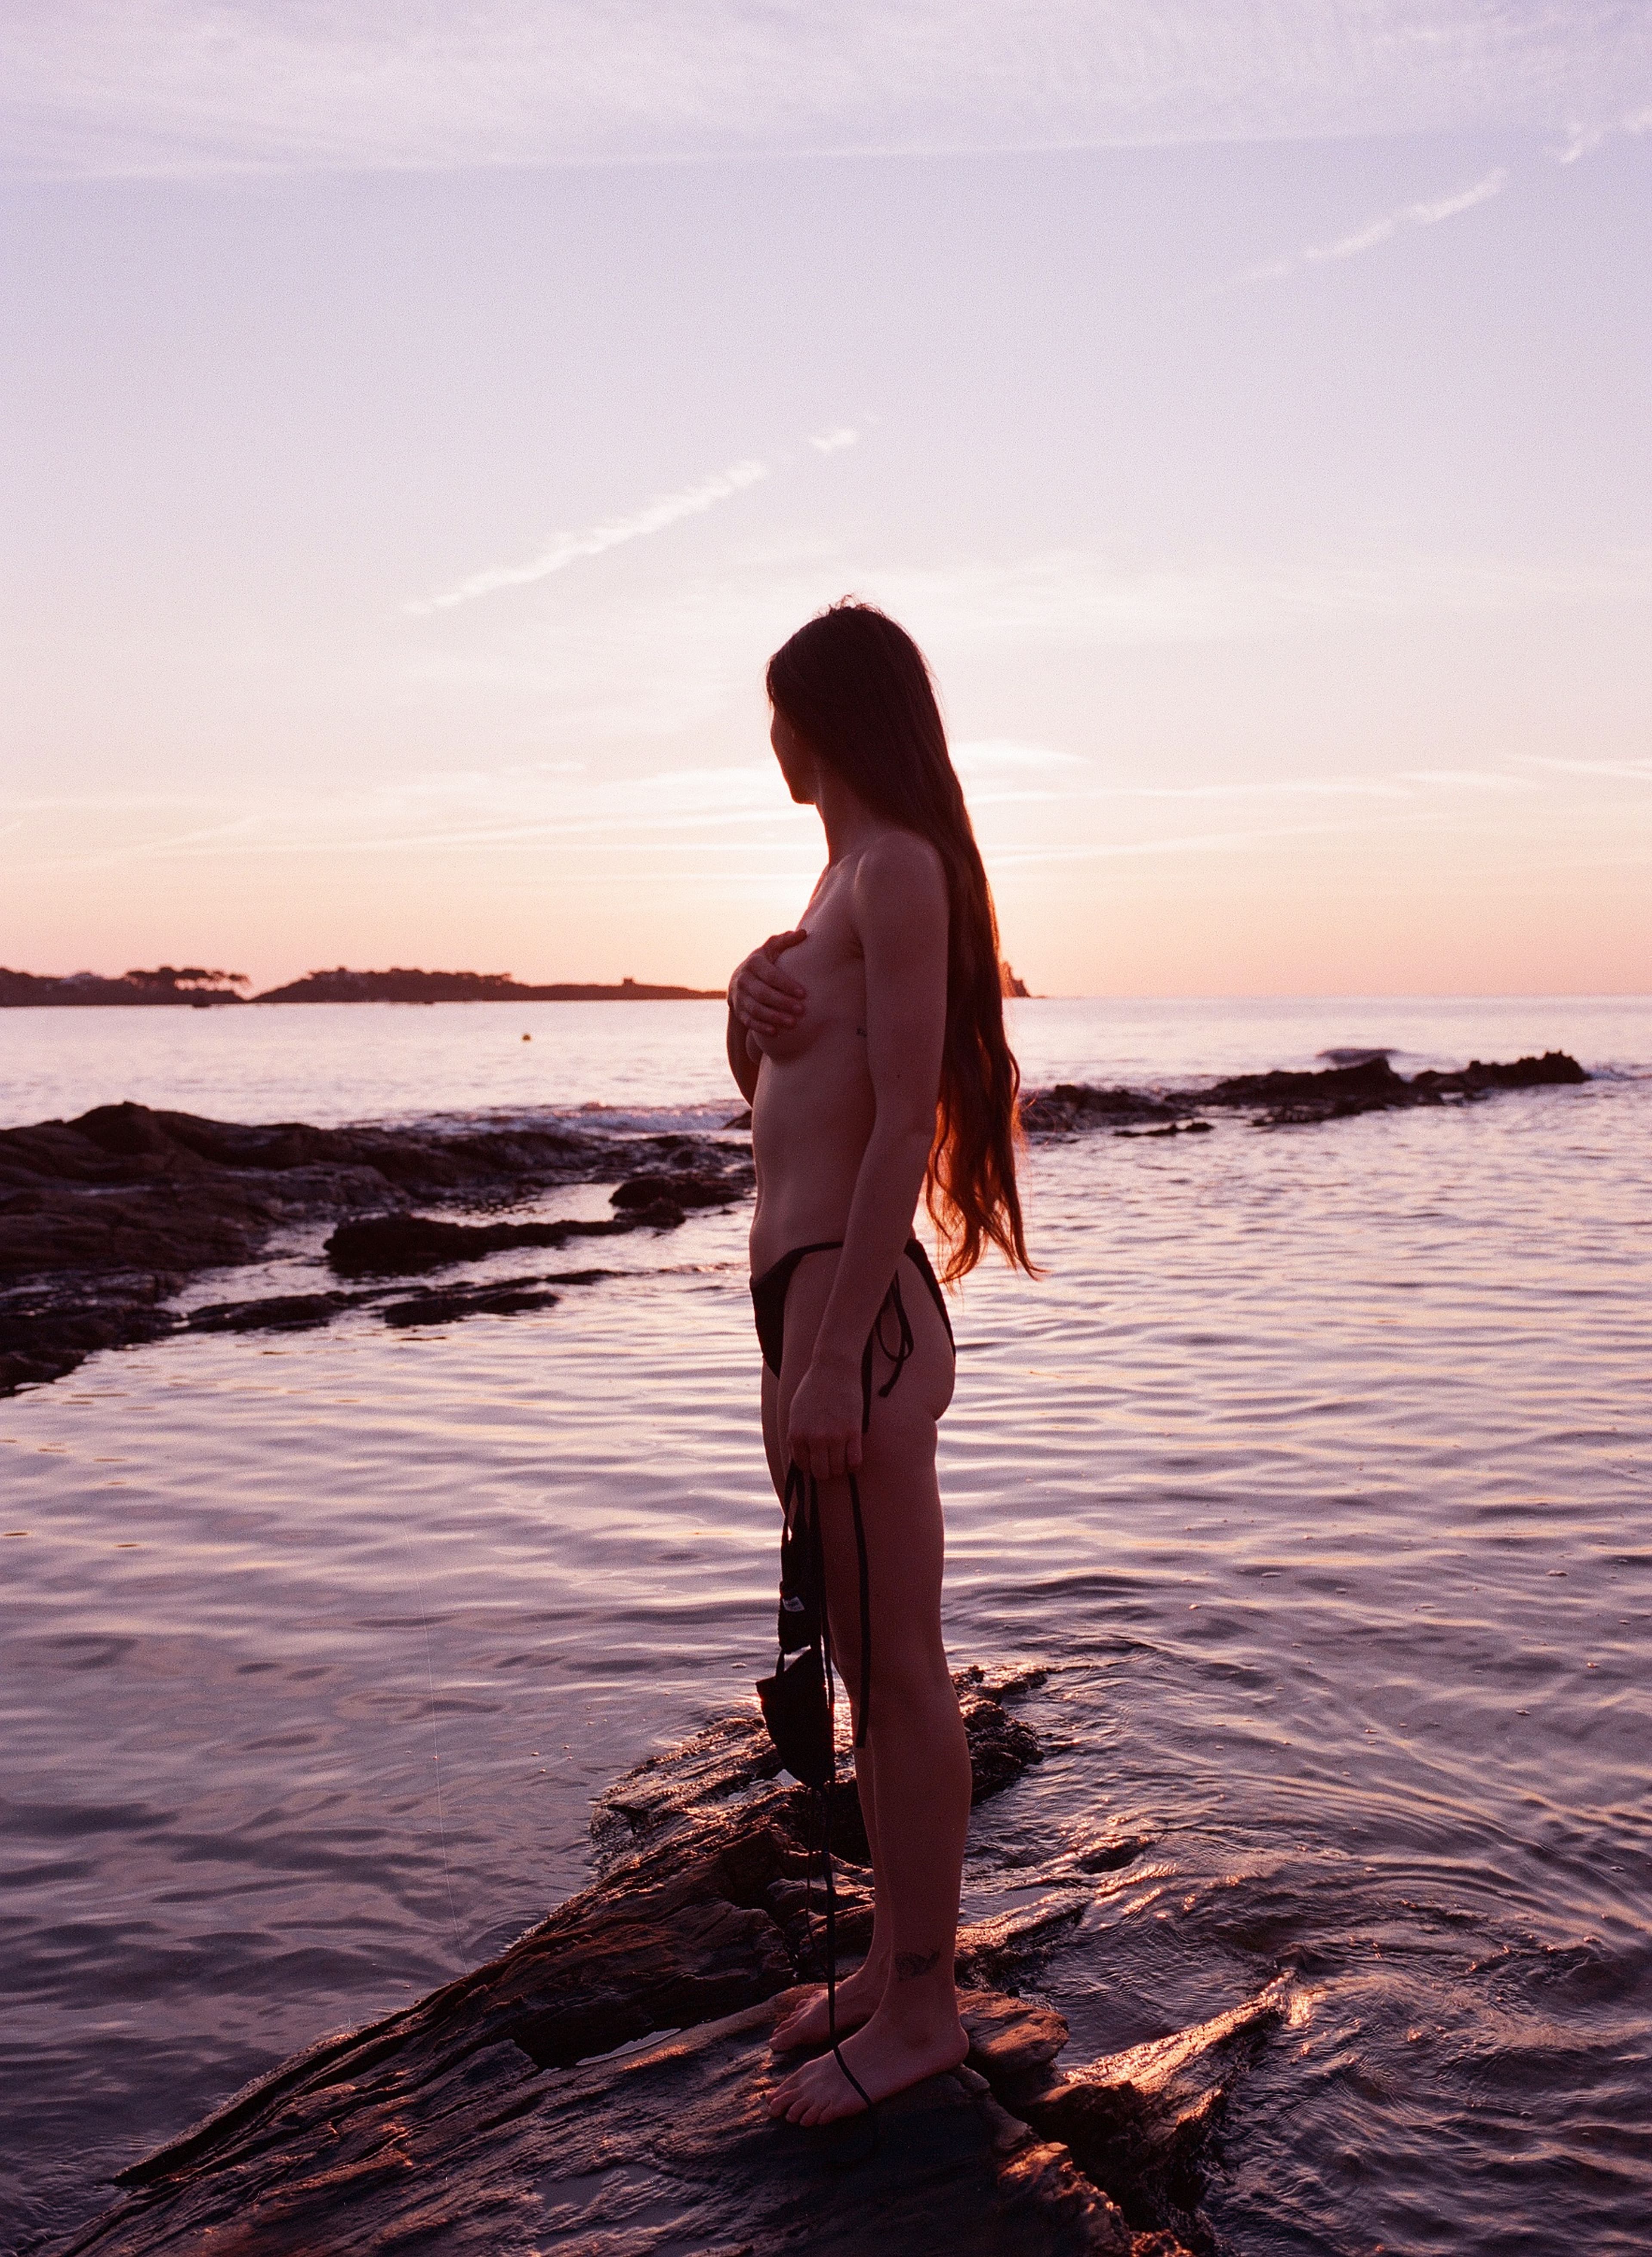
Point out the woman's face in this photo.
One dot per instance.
(798, 764)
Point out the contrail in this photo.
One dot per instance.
(569, 548)
(1381, 230)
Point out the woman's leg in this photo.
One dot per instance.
(808, 2026)
(856, 1993)
(920, 1770)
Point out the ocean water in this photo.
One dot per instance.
(1315, 1471)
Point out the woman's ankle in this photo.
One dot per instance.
(918, 2001)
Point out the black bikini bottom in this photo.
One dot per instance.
(768, 1306)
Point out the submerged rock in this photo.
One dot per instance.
(601, 2084)
(468, 1301)
(425, 1304)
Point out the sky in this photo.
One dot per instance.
(421, 423)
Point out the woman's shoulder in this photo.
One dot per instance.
(900, 858)
(899, 899)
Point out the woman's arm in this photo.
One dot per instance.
(900, 909)
(742, 1064)
(762, 1000)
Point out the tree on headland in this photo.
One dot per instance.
(402, 984)
(187, 978)
(163, 983)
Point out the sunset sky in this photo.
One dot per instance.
(422, 422)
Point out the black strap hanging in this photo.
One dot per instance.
(800, 1700)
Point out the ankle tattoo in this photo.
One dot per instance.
(910, 1964)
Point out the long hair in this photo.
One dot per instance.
(856, 690)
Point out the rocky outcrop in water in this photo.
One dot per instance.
(1282, 1099)
(1077, 1105)
(104, 1219)
(600, 2085)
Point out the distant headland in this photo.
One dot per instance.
(407, 986)
(203, 989)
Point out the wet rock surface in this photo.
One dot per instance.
(1077, 1105)
(600, 2086)
(401, 1245)
(105, 1218)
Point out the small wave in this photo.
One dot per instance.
(592, 1118)
(654, 1119)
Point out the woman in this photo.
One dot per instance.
(870, 1043)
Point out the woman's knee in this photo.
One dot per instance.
(911, 1676)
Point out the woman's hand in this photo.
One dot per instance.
(764, 999)
(822, 1434)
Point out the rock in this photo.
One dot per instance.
(1298, 1099)
(1000, 1745)
(400, 1245)
(1554, 1070)
(668, 2148)
(678, 1190)
(105, 1218)
(1366, 1088)
(477, 1301)
(1012, 1945)
(278, 1312)
(1140, 2121)
(1363, 1082)
(600, 2086)
(1073, 1104)
(46, 1331)
(428, 1306)
(1110, 1855)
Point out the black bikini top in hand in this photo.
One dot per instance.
(797, 1701)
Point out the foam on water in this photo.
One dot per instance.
(1315, 1471)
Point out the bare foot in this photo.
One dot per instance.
(858, 1996)
(885, 2058)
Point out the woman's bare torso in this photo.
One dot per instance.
(814, 1106)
